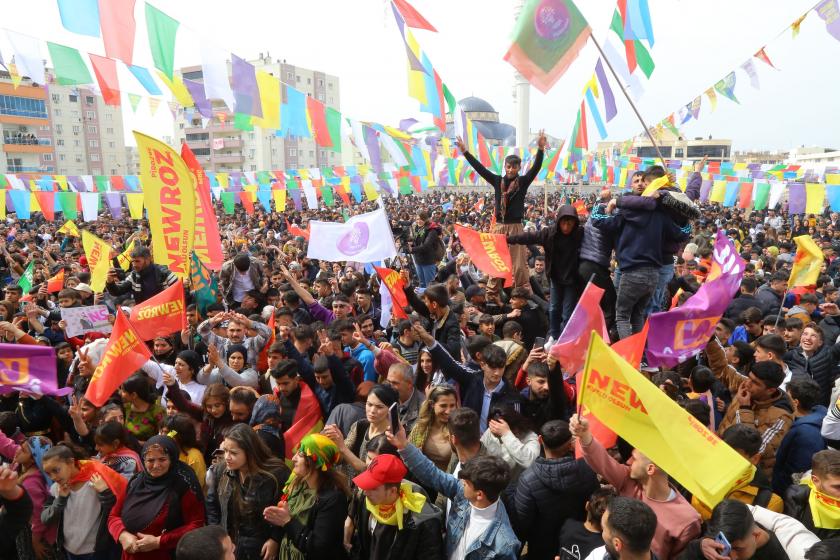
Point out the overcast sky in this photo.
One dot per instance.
(697, 43)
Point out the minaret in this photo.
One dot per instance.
(521, 96)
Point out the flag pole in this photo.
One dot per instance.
(627, 96)
(781, 306)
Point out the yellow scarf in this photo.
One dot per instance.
(824, 509)
(392, 514)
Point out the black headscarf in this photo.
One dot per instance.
(147, 496)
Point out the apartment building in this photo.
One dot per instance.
(59, 130)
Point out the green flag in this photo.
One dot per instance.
(333, 119)
(241, 121)
(70, 68)
(204, 284)
(134, 100)
(228, 202)
(762, 196)
(162, 30)
(327, 195)
(28, 278)
(450, 100)
(67, 201)
(547, 37)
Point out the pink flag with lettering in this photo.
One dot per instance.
(681, 333)
(570, 349)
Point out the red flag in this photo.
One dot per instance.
(296, 231)
(571, 348)
(46, 200)
(582, 138)
(207, 243)
(262, 359)
(396, 286)
(631, 349)
(318, 118)
(56, 283)
(247, 200)
(161, 315)
(412, 17)
(762, 56)
(489, 252)
(106, 76)
(124, 354)
(629, 45)
(116, 18)
(308, 419)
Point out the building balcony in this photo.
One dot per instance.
(198, 144)
(228, 158)
(27, 148)
(232, 142)
(211, 128)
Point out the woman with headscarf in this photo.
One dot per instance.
(187, 366)
(161, 504)
(314, 504)
(28, 459)
(234, 372)
(164, 350)
(265, 420)
(241, 487)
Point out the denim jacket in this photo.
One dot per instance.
(498, 541)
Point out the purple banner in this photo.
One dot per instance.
(201, 102)
(245, 88)
(830, 13)
(30, 368)
(114, 202)
(796, 198)
(609, 99)
(681, 333)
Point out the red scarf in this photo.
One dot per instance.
(115, 481)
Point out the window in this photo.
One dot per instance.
(96, 171)
(650, 151)
(193, 137)
(320, 82)
(109, 116)
(311, 153)
(23, 107)
(75, 114)
(112, 144)
(92, 129)
(252, 136)
(309, 80)
(678, 152)
(252, 153)
(290, 76)
(78, 159)
(59, 129)
(59, 142)
(93, 143)
(320, 97)
(44, 128)
(61, 157)
(57, 112)
(330, 100)
(77, 143)
(94, 157)
(330, 85)
(47, 157)
(56, 98)
(76, 129)
(292, 152)
(89, 99)
(253, 168)
(201, 151)
(73, 98)
(90, 115)
(109, 130)
(709, 151)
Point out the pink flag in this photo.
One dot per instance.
(116, 17)
(570, 349)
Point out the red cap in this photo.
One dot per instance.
(384, 469)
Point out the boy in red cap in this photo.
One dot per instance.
(396, 521)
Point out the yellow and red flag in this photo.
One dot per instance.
(162, 314)
(56, 283)
(124, 354)
(488, 251)
(396, 287)
(807, 263)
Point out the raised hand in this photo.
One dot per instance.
(461, 146)
(542, 141)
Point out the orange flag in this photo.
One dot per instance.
(162, 314)
(396, 286)
(56, 283)
(296, 231)
(124, 354)
(489, 252)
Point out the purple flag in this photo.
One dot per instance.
(245, 88)
(30, 368)
(609, 98)
(796, 198)
(705, 189)
(114, 202)
(201, 102)
(830, 13)
(295, 194)
(372, 142)
(681, 333)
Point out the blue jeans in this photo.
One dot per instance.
(426, 273)
(656, 302)
(560, 308)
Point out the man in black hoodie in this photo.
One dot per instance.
(561, 243)
(553, 489)
(509, 193)
(427, 248)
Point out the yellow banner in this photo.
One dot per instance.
(655, 185)
(807, 264)
(98, 253)
(634, 408)
(135, 205)
(69, 228)
(169, 195)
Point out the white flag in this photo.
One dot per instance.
(90, 206)
(363, 238)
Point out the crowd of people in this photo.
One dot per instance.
(341, 433)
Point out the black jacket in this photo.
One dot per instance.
(516, 203)
(549, 492)
(561, 251)
(144, 284)
(322, 538)
(821, 367)
(796, 506)
(471, 382)
(14, 518)
(741, 304)
(420, 538)
(449, 334)
(771, 300)
(247, 527)
(428, 247)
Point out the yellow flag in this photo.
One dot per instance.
(623, 400)
(169, 196)
(279, 196)
(124, 258)
(178, 89)
(814, 198)
(655, 185)
(69, 228)
(718, 193)
(270, 99)
(807, 264)
(98, 253)
(135, 205)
